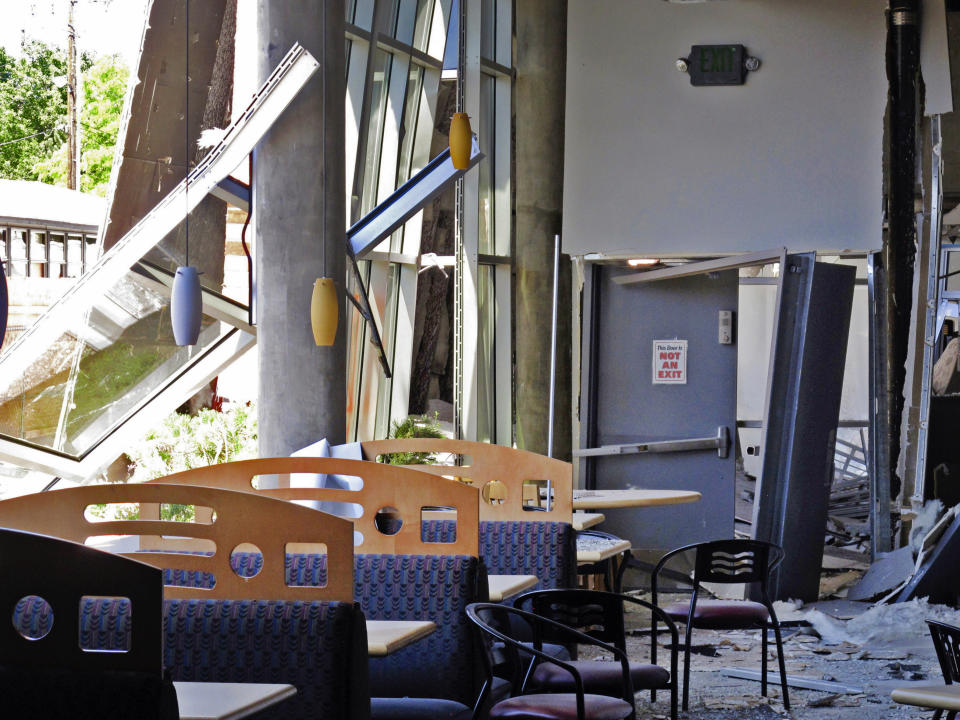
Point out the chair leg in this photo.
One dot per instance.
(937, 714)
(686, 668)
(763, 662)
(782, 664)
(951, 715)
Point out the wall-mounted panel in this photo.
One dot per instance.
(654, 165)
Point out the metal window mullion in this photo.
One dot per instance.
(392, 45)
(494, 69)
(469, 232)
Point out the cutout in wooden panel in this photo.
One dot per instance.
(388, 520)
(113, 632)
(246, 560)
(538, 495)
(494, 492)
(306, 564)
(168, 512)
(438, 525)
(315, 481)
(32, 617)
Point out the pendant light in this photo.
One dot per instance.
(186, 298)
(461, 140)
(324, 310)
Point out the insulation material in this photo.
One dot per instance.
(883, 625)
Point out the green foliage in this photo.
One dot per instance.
(31, 102)
(183, 442)
(415, 426)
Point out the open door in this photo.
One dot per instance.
(659, 400)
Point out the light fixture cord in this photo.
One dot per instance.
(323, 135)
(186, 135)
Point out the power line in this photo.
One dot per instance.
(27, 137)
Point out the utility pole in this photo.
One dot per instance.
(73, 136)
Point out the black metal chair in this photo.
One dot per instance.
(600, 615)
(939, 698)
(726, 561)
(504, 650)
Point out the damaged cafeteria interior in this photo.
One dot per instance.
(481, 360)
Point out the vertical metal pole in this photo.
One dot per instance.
(879, 443)
(553, 343)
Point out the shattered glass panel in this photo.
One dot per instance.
(98, 369)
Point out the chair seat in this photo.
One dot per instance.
(418, 709)
(599, 676)
(560, 707)
(720, 614)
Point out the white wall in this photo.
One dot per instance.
(792, 158)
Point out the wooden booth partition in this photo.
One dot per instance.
(513, 484)
(392, 502)
(234, 522)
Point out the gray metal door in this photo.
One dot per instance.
(631, 393)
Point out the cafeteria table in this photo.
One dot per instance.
(505, 586)
(387, 636)
(226, 700)
(598, 499)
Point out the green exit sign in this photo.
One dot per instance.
(717, 65)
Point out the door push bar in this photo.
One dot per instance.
(721, 443)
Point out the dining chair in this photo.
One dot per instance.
(600, 615)
(725, 561)
(939, 698)
(46, 669)
(503, 649)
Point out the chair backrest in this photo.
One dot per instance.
(202, 549)
(512, 483)
(946, 641)
(734, 561)
(403, 493)
(592, 612)
(59, 576)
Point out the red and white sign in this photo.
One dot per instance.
(669, 362)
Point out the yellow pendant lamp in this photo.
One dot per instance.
(324, 311)
(461, 140)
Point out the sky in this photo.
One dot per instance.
(103, 26)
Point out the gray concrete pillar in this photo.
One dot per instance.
(299, 209)
(541, 56)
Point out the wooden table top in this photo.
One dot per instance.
(505, 586)
(227, 701)
(602, 553)
(584, 520)
(387, 636)
(595, 499)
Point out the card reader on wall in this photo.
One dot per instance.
(725, 326)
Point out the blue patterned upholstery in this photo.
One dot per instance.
(545, 549)
(319, 647)
(424, 587)
(302, 569)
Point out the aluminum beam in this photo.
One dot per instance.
(761, 257)
(812, 323)
(239, 139)
(406, 201)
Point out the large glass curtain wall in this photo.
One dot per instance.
(395, 61)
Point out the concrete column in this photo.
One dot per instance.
(539, 102)
(299, 210)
